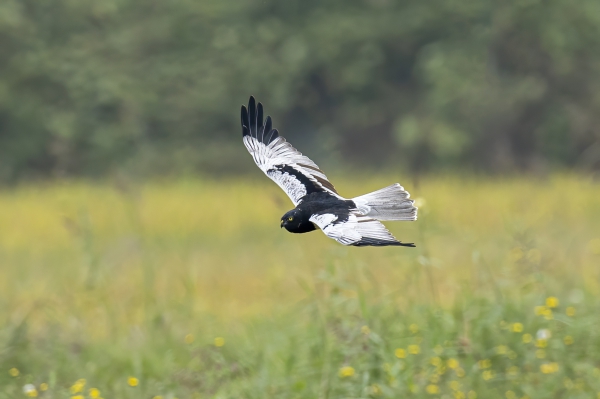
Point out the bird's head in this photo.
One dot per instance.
(290, 220)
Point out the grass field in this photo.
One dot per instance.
(189, 289)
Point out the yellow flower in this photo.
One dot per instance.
(77, 387)
(549, 368)
(510, 395)
(219, 341)
(346, 371)
(94, 393)
(548, 315)
(435, 361)
(459, 395)
(365, 330)
(539, 310)
(432, 389)
(452, 363)
(413, 328)
(441, 370)
(484, 364)
(43, 386)
(502, 350)
(133, 382)
(189, 338)
(29, 390)
(527, 338)
(517, 327)
(78, 397)
(400, 353)
(568, 340)
(472, 395)
(14, 372)
(570, 311)
(157, 397)
(552, 302)
(541, 343)
(454, 385)
(414, 349)
(460, 372)
(540, 353)
(488, 375)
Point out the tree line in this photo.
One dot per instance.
(88, 88)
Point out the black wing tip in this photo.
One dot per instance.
(407, 244)
(253, 123)
(366, 242)
(245, 121)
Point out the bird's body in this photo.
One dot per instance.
(315, 204)
(318, 205)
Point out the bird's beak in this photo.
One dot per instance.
(281, 225)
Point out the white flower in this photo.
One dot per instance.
(419, 202)
(544, 333)
(27, 388)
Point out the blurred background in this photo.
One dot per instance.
(140, 248)
(152, 88)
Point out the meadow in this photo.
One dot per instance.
(189, 289)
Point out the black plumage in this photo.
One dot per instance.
(312, 204)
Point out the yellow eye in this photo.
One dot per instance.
(290, 218)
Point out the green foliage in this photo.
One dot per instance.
(154, 87)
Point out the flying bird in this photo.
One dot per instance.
(317, 204)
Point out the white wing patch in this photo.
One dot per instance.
(358, 230)
(281, 153)
(288, 183)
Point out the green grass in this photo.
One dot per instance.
(104, 282)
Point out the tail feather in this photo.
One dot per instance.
(389, 203)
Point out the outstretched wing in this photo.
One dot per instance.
(355, 229)
(296, 174)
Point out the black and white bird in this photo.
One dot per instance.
(349, 221)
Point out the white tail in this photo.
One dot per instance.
(389, 203)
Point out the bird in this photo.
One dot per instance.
(318, 205)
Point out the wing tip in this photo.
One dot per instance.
(245, 121)
(366, 242)
(252, 122)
